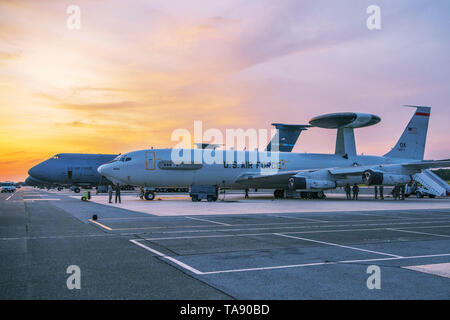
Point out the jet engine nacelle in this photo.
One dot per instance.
(376, 178)
(303, 183)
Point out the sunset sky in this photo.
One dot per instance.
(137, 70)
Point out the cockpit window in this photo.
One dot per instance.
(55, 157)
(122, 157)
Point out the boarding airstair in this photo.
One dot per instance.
(434, 184)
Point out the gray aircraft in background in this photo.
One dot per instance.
(30, 181)
(72, 169)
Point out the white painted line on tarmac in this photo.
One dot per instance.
(292, 227)
(337, 245)
(60, 237)
(424, 233)
(48, 199)
(11, 196)
(380, 215)
(323, 263)
(297, 218)
(261, 224)
(221, 223)
(178, 262)
(198, 272)
(293, 232)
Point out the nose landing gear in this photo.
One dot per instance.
(149, 195)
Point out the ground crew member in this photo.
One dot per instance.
(118, 193)
(110, 193)
(141, 192)
(348, 191)
(355, 191)
(402, 190)
(376, 192)
(395, 192)
(381, 193)
(246, 193)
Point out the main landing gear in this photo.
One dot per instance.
(312, 195)
(280, 194)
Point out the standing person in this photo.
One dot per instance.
(355, 191)
(118, 193)
(402, 192)
(246, 193)
(381, 192)
(110, 193)
(395, 192)
(141, 192)
(348, 191)
(376, 192)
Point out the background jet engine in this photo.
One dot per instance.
(302, 183)
(372, 178)
(376, 178)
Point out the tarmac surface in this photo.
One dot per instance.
(255, 248)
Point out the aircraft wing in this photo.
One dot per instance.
(428, 164)
(282, 176)
(416, 166)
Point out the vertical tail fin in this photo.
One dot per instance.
(286, 136)
(411, 144)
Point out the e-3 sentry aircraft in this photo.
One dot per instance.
(290, 171)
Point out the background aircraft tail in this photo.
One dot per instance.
(286, 136)
(411, 144)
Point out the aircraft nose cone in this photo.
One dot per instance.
(101, 169)
(104, 170)
(36, 172)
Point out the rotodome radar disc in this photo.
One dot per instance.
(344, 120)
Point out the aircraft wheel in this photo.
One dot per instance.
(278, 193)
(76, 190)
(149, 195)
(419, 195)
(320, 195)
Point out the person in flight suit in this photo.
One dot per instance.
(117, 193)
(402, 192)
(110, 193)
(348, 191)
(381, 192)
(355, 191)
(396, 192)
